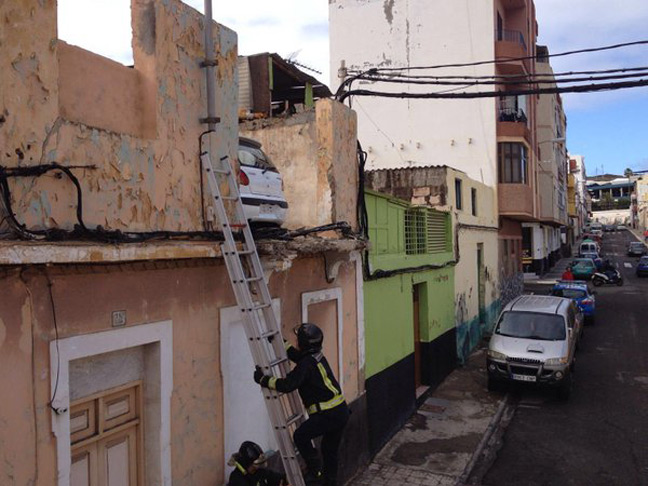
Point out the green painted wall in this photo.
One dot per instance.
(389, 318)
(388, 302)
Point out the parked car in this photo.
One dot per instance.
(534, 341)
(621, 227)
(597, 232)
(608, 228)
(588, 246)
(592, 237)
(260, 185)
(642, 266)
(598, 261)
(636, 248)
(579, 292)
(583, 268)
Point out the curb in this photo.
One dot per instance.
(488, 433)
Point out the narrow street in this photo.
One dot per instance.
(599, 437)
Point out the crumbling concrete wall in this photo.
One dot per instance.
(139, 127)
(315, 153)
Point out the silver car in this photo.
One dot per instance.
(534, 341)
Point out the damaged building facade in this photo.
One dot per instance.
(472, 231)
(117, 320)
(435, 152)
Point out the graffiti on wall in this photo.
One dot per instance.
(510, 287)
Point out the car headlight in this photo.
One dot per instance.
(557, 361)
(496, 354)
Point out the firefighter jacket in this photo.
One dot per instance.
(312, 378)
(262, 477)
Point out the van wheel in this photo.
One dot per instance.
(564, 391)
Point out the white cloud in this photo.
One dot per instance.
(577, 24)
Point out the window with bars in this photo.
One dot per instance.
(426, 231)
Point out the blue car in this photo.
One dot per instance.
(642, 266)
(579, 292)
(598, 261)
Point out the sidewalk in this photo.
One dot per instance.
(437, 445)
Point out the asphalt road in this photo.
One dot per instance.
(600, 436)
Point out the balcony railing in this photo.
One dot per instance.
(511, 36)
(512, 115)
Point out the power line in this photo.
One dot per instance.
(522, 77)
(495, 82)
(496, 94)
(523, 58)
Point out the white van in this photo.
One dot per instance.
(588, 247)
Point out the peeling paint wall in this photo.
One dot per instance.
(315, 153)
(190, 296)
(139, 126)
(415, 133)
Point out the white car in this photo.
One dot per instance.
(260, 185)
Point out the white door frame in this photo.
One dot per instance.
(316, 297)
(64, 350)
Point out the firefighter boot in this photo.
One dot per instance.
(313, 474)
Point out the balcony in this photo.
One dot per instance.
(509, 46)
(512, 122)
(516, 201)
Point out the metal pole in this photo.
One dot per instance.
(209, 64)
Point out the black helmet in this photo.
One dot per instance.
(250, 453)
(309, 337)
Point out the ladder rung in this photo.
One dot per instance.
(256, 307)
(253, 279)
(220, 171)
(228, 198)
(246, 252)
(293, 419)
(268, 334)
(277, 361)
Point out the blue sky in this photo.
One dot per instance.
(609, 129)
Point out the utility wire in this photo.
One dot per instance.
(523, 58)
(496, 94)
(384, 79)
(511, 77)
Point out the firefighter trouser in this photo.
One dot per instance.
(329, 425)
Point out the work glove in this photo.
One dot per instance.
(260, 378)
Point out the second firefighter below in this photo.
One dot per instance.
(322, 396)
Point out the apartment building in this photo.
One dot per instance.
(492, 141)
(579, 199)
(544, 240)
(129, 362)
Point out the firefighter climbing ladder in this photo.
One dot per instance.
(247, 279)
(254, 301)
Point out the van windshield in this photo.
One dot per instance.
(532, 325)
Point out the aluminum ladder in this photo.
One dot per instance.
(253, 297)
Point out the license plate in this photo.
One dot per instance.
(266, 210)
(523, 377)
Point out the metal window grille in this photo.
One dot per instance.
(425, 231)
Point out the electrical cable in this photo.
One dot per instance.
(549, 81)
(497, 94)
(518, 76)
(56, 410)
(509, 59)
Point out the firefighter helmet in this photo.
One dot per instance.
(309, 337)
(250, 453)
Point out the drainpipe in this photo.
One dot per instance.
(209, 63)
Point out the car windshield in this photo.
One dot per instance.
(569, 293)
(254, 157)
(583, 264)
(532, 325)
(636, 244)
